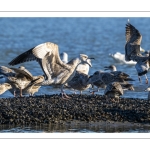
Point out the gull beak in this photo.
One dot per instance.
(106, 68)
(89, 61)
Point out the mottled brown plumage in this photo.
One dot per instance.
(113, 90)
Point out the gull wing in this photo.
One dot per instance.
(7, 71)
(79, 80)
(24, 72)
(114, 87)
(47, 55)
(133, 41)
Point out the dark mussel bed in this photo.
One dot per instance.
(46, 109)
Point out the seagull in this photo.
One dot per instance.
(98, 83)
(124, 76)
(4, 87)
(82, 67)
(120, 74)
(132, 51)
(79, 81)
(113, 90)
(33, 87)
(56, 71)
(105, 78)
(18, 78)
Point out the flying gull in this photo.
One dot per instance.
(132, 51)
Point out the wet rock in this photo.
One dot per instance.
(46, 109)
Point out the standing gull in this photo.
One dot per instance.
(4, 87)
(79, 81)
(106, 78)
(33, 87)
(132, 51)
(18, 78)
(56, 72)
(125, 84)
(113, 90)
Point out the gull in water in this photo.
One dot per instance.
(132, 51)
(113, 90)
(18, 78)
(56, 71)
(120, 58)
(4, 87)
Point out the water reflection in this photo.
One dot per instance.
(79, 127)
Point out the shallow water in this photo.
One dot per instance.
(96, 37)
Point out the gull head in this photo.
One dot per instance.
(111, 67)
(84, 59)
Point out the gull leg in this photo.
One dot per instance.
(146, 79)
(74, 91)
(80, 92)
(93, 91)
(64, 95)
(139, 79)
(14, 93)
(21, 92)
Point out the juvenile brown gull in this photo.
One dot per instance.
(79, 81)
(106, 78)
(113, 90)
(18, 78)
(125, 84)
(33, 87)
(4, 87)
(56, 72)
(132, 51)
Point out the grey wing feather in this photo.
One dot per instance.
(133, 41)
(7, 71)
(47, 55)
(24, 57)
(24, 72)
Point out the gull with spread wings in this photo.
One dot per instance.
(56, 71)
(132, 51)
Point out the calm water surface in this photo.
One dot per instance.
(96, 37)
